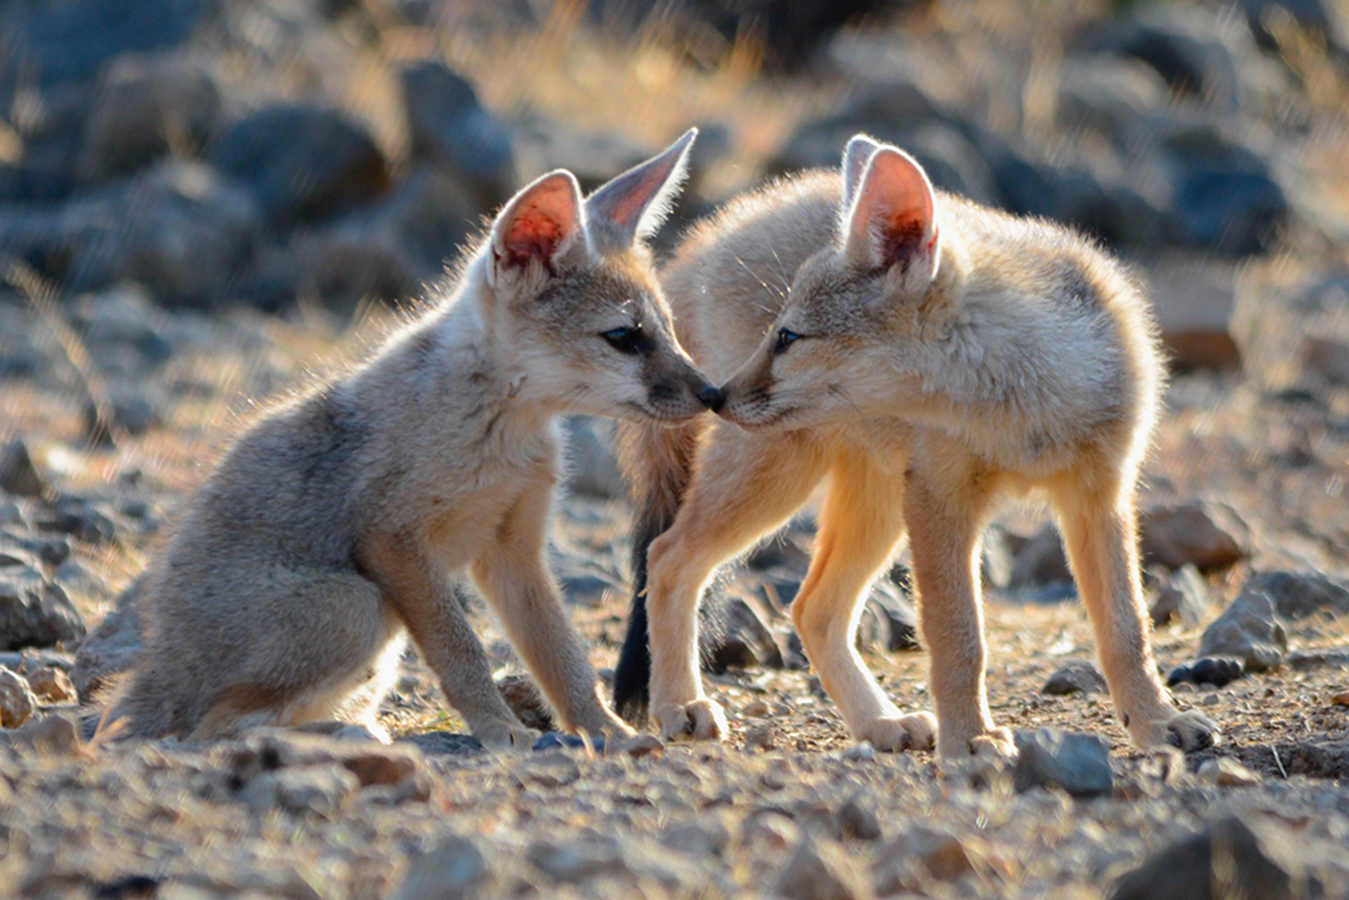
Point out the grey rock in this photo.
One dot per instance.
(1109, 94)
(122, 328)
(857, 821)
(78, 517)
(1181, 597)
(1041, 563)
(1218, 671)
(593, 157)
(142, 104)
(444, 743)
(81, 584)
(998, 551)
(1297, 595)
(17, 701)
(920, 853)
(1180, 45)
(322, 790)
(18, 476)
(1329, 357)
(1209, 536)
(732, 635)
(1326, 294)
(1229, 858)
(1194, 304)
(115, 645)
(454, 867)
(1078, 675)
(450, 126)
(578, 861)
(302, 161)
(820, 870)
(701, 839)
(1224, 771)
(70, 42)
(1077, 763)
(1250, 630)
(35, 612)
(889, 621)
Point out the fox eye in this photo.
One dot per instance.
(626, 340)
(785, 339)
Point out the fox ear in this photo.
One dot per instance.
(855, 157)
(633, 205)
(542, 222)
(892, 219)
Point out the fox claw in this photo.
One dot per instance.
(895, 734)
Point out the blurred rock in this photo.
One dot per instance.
(1297, 595)
(1181, 44)
(1209, 536)
(1182, 597)
(51, 684)
(1077, 763)
(998, 555)
(524, 699)
(889, 621)
(321, 790)
(450, 127)
(444, 743)
(18, 476)
(33, 611)
(938, 854)
(857, 821)
(17, 702)
(1218, 671)
(25, 184)
(114, 647)
(1226, 772)
(1329, 357)
(51, 734)
(1248, 630)
(732, 635)
(592, 468)
(78, 517)
(65, 42)
(302, 162)
(1229, 858)
(1042, 563)
(702, 838)
(145, 107)
(820, 870)
(131, 412)
(1224, 196)
(1078, 675)
(1325, 294)
(593, 157)
(122, 328)
(1194, 306)
(1109, 94)
(453, 868)
(578, 861)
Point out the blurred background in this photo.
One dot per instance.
(201, 201)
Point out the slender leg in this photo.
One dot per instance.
(744, 486)
(945, 508)
(512, 573)
(860, 524)
(1099, 528)
(424, 598)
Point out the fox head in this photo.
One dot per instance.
(836, 350)
(573, 302)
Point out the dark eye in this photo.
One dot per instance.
(626, 340)
(785, 339)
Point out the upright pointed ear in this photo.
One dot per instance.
(634, 204)
(540, 224)
(892, 221)
(855, 157)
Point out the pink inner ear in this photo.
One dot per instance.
(533, 234)
(628, 209)
(897, 203)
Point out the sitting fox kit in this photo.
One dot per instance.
(928, 356)
(334, 526)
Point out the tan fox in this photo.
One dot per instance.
(929, 357)
(334, 525)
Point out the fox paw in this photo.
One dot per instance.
(1191, 731)
(993, 745)
(701, 720)
(895, 734)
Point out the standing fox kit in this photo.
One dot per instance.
(334, 526)
(928, 356)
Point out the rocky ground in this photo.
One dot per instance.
(203, 201)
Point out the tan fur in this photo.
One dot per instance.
(1012, 355)
(335, 525)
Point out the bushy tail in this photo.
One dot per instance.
(658, 462)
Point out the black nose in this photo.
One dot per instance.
(711, 397)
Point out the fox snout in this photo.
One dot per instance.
(681, 395)
(711, 396)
